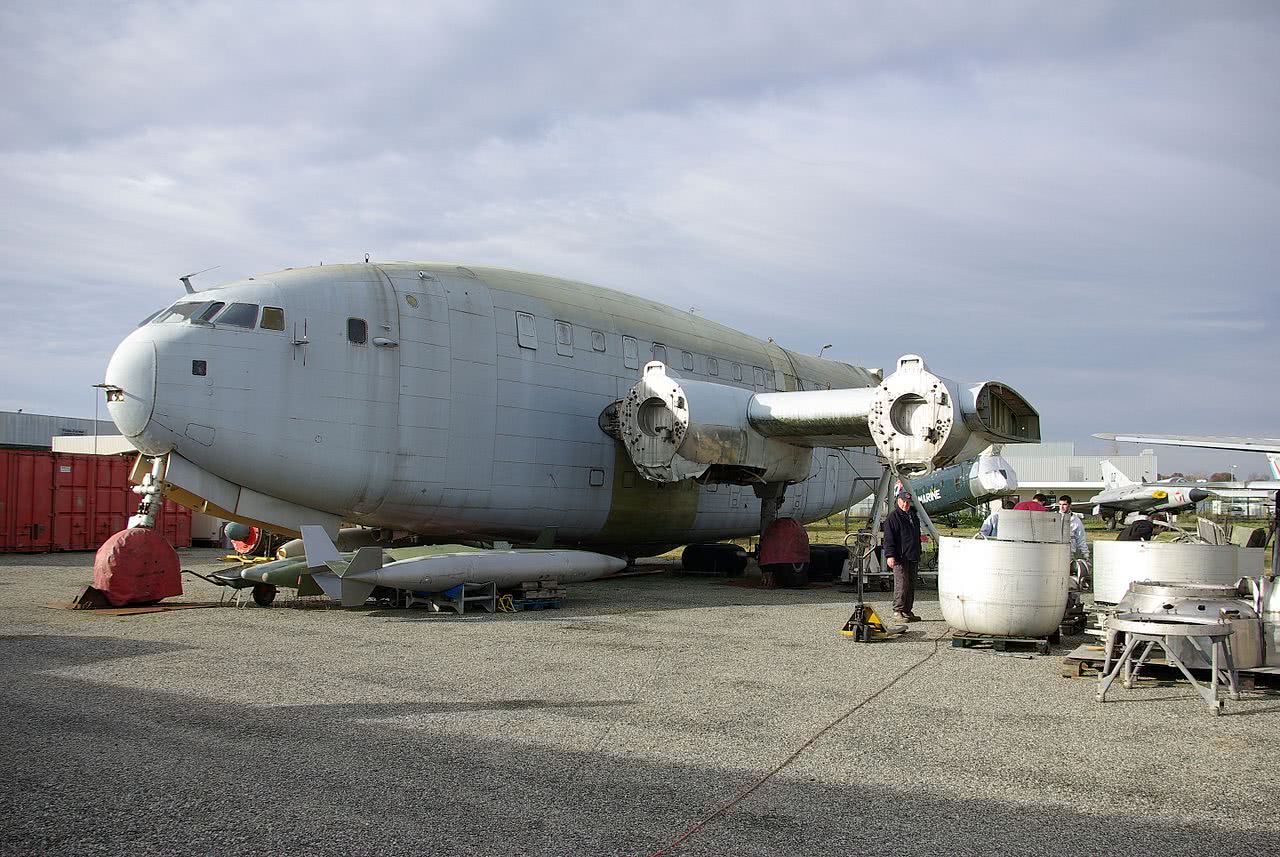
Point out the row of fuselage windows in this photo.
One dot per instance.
(527, 337)
(241, 315)
(246, 315)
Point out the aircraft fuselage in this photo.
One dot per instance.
(452, 401)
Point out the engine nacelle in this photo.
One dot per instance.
(677, 429)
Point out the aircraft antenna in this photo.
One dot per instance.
(186, 280)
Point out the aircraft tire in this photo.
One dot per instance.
(264, 594)
(728, 559)
(693, 558)
(793, 575)
(826, 561)
(774, 575)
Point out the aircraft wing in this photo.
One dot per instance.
(1243, 489)
(1243, 444)
(676, 428)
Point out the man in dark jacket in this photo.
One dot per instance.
(902, 551)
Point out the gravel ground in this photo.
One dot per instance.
(616, 725)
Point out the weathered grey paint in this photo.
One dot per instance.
(441, 423)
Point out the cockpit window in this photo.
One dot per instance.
(209, 312)
(150, 317)
(199, 312)
(272, 318)
(239, 315)
(180, 311)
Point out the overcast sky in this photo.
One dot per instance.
(1080, 199)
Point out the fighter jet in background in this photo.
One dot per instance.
(1251, 488)
(1123, 495)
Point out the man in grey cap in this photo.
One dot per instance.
(902, 551)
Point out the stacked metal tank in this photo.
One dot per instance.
(1013, 585)
(1116, 565)
(1221, 582)
(1267, 603)
(1229, 603)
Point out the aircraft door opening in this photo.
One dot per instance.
(375, 367)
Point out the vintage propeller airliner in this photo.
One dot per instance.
(470, 402)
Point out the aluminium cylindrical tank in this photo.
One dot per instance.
(1015, 589)
(1027, 525)
(1118, 564)
(1202, 601)
(1269, 612)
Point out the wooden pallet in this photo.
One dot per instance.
(538, 603)
(998, 643)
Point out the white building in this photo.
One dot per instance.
(1054, 468)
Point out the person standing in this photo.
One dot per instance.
(991, 523)
(1035, 504)
(902, 552)
(1078, 542)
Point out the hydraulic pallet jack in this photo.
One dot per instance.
(865, 625)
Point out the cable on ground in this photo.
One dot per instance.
(742, 795)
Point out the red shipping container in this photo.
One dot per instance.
(26, 500)
(68, 501)
(174, 523)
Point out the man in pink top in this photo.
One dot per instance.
(1035, 504)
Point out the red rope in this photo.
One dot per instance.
(787, 761)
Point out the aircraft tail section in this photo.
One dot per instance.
(331, 572)
(1273, 458)
(318, 547)
(348, 593)
(365, 560)
(1112, 476)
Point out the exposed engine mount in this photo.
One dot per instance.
(676, 428)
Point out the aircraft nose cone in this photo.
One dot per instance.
(1197, 494)
(133, 371)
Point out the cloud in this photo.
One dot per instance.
(1077, 198)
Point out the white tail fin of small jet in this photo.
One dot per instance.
(331, 571)
(1113, 478)
(1273, 459)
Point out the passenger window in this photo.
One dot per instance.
(272, 318)
(239, 315)
(564, 339)
(357, 331)
(713, 366)
(759, 376)
(660, 352)
(597, 341)
(737, 371)
(526, 334)
(630, 352)
(686, 360)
